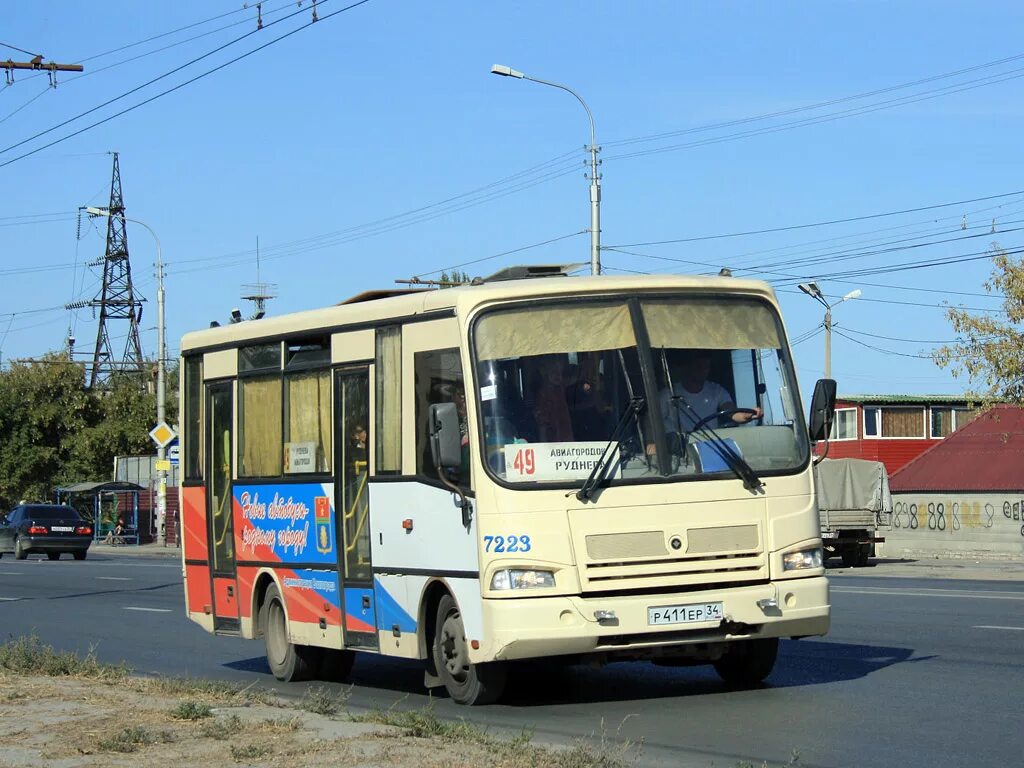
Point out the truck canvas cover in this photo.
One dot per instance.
(852, 484)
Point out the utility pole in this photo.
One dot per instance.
(117, 300)
(812, 290)
(595, 177)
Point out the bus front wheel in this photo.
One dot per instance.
(748, 662)
(287, 661)
(466, 683)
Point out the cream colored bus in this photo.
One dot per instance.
(590, 468)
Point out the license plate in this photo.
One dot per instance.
(685, 614)
(828, 534)
(62, 529)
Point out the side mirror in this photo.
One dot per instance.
(823, 409)
(445, 438)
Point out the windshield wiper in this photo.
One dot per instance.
(726, 452)
(598, 473)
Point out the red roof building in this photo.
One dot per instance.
(894, 429)
(984, 456)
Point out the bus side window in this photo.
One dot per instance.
(438, 377)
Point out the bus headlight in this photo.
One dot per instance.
(515, 578)
(802, 560)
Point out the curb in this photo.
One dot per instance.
(133, 550)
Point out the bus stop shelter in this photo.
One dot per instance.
(106, 502)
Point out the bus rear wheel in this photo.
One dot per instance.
(288, 662)
(465, 682)
(748, 662)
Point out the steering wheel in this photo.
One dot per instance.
(721, 415)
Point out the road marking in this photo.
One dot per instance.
(925, 592)
(9, 599)
(150, 610)
(113, 578)
(993, 626)
(12, 573)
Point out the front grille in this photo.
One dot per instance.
(673, 571)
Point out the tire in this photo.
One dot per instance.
(850, 555)
(748, 663)
(288, 662)
(863, 555)
(335, 665)
(19, 553)
(53, 555)
(466, 683)
(80, 555)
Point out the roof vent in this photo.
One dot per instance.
(525, 271)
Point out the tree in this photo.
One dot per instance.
(54, 431)
(455, 278)
(990, 349)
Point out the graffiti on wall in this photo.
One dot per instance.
(955, 515)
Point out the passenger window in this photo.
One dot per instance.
(438, 376)
(259, 434)
(308, 423)
(388, 375)
(193, 418)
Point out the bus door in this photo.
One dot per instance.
(352, 502)
(219, 515)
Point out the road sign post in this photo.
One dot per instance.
(163, 435)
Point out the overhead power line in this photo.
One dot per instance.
(157, 79)
(811, 107)
(831, 117)
(826, 223)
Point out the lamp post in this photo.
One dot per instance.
(595, 180)
(161, 492)
(812, 290)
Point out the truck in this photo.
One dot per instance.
(854, 502)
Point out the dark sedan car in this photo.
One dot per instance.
(49, 528)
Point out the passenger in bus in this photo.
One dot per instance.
(357, 448)
(697, 397)
(550, 406)
(592, 415)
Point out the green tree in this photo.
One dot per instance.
(54, 431)
(455, 278)
(990, 350)
(43, 406)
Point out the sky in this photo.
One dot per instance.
(375, 145)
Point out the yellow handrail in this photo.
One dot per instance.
(352, 511)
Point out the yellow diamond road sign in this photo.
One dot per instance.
(162, 434)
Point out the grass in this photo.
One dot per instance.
(323, 701)
(30, 656)
(423, 723)
(249, 752)
(127, 740)
(517, 751)
(221, 727)
(191, 710)
(219, 691)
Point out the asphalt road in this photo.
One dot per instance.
(915, 672)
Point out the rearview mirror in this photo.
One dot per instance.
(445, 438)
(823, 409)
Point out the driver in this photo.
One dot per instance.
(704, 397)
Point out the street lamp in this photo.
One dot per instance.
(161, 492)
(812, 290)
(595, 180)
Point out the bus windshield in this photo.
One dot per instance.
(710, 382)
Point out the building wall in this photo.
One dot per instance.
(894, 452)
(955, 524)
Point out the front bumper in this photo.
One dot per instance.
(56, 543)
(531, 628)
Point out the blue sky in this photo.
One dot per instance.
(321, 144)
